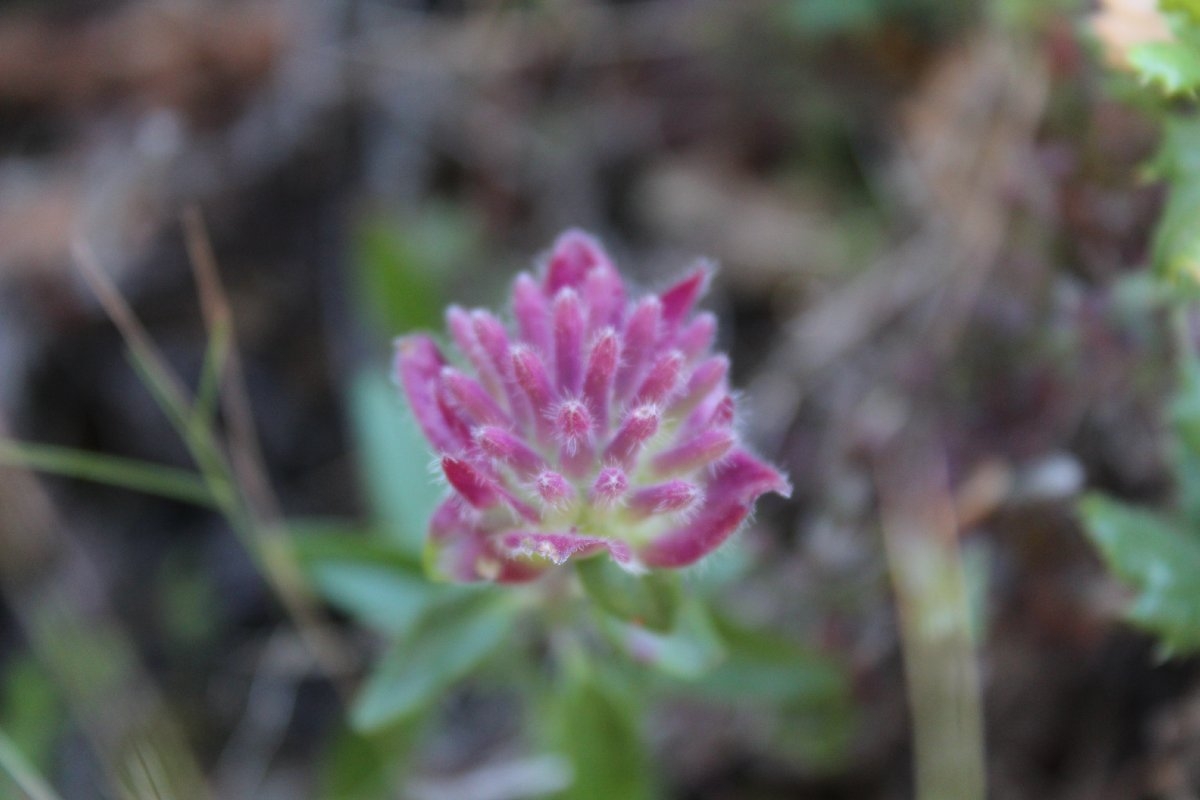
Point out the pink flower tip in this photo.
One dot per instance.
(596, 424)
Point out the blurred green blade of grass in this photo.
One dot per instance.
(200, 441)
(32, 712)
(125, 473)
(17, 767)
(216, 356)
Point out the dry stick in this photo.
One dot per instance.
(247, 455)
(248, 462)
(136, 338)
(244, 450)
(262, 532)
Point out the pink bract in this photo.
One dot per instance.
(596, 424)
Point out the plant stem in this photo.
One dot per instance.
(920, 535)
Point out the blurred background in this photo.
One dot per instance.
(931, 224)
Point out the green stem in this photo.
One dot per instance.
(921, 540)
(125, 473)
(1181, 328)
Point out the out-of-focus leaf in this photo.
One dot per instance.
(597, 728)
(1185, 417)
(818, 734)
(402, 263)
(805, 695)
(362, 766)
(216, 357)
(650, 600)
(1155, 558)
(446, 646)
(26, 781)
(1174, 67)
(733, 562)
(1176, 247)
(394, 459)
(1190, 9)
(690, 649)
(766, 667)
(187, 604)
(398, 288)
(817, 18)
(825, 18)
(31, 712)
(369, 579)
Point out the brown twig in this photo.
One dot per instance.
(244, 450)
(246, 459)
(254, 512)
(134, 334)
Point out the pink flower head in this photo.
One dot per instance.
(598, 423)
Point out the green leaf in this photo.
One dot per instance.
(394, 459)
(690, 649)
(361, 766)
(15, 766)
(32, 711)
(1185, 419)
(186, 602)
(762, 666)
(1176, 245)
(596, 727)
(804, 696)
(140, 476)
(817, 734)
(1174, 67)
(823, 18)
(398, 288)
(650, 600)
(369, 579)
(403, 263)
(1155, 558)
(449, 643)
(1189, 9)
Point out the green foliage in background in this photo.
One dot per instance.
(825, 18)
(1156, 554)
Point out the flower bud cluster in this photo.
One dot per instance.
(596, 424)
